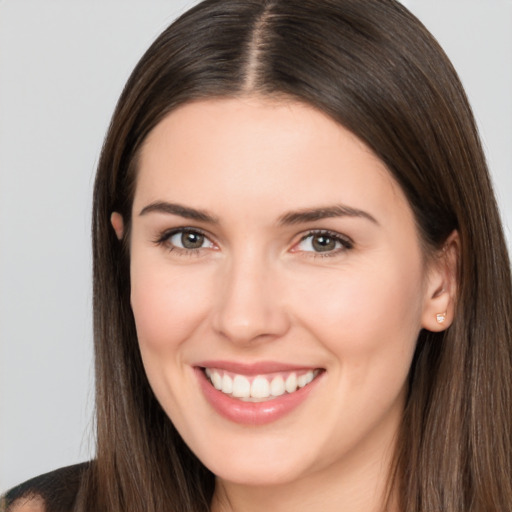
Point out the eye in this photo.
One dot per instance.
(185, 240)
(323, 242)
(189, 240)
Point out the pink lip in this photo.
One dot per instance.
(253, 368)
(252, 413)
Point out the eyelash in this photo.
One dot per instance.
(346, 244)
(164, 240)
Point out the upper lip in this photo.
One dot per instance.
(255, 368)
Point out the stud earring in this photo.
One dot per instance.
(441, 317)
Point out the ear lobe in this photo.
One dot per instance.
(116, 219)
(441, 292)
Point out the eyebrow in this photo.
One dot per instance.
(314, 214)
(290, 218)
(178, 209)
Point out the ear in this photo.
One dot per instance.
(441, 291)
(116, 219)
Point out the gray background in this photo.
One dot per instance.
(62, 67)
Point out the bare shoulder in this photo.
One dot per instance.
(27, 504)
(55, 491)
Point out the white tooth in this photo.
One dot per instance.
(241, 387)
(260, 387)
(309, 376)
(277, 386)
(216, 379)
(208, 372)
(227, 384)
(301, 381)
(291, 383)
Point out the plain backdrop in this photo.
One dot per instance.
(62, 67)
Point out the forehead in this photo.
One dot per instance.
(263, 154)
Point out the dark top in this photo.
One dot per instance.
(57, 489)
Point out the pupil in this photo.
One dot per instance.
(192, 240)
(323, 243)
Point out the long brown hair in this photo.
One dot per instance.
(375, 69)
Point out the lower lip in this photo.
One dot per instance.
(253, 413)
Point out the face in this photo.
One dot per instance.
(278, 289)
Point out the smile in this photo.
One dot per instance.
(256, 394)
(258, 388)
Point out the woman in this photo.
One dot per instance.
(302, 291)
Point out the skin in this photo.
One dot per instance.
(30, 504)
(259, 290)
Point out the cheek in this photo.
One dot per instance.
(368, 317)
(167, 306)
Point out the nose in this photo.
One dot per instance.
(249, 308)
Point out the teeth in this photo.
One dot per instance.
(227, 384)
(216, 380)
(277, 386)
(261, 387)
(241, 387)
(291, 383)
(301, 381)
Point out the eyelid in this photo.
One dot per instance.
(164, 237)
(346, 242)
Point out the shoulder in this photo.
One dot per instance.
(52, 492)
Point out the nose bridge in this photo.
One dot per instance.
(249, 307)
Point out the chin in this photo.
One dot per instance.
(259, 460)
(256, 474)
